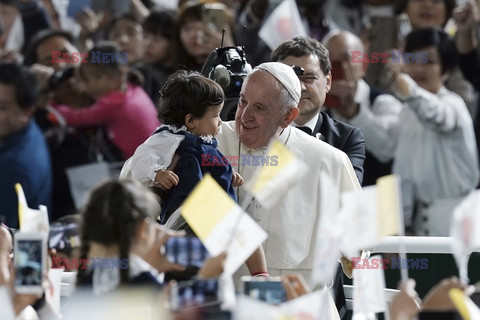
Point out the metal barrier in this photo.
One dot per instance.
(412, 244)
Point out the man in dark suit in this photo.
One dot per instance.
(313, 69)
(313, 61)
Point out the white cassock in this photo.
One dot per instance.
(291, 223)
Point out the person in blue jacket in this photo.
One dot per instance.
(24, 156)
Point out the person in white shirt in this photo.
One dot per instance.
(432, 141)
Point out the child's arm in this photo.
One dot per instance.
(237, 179)
(257, 264)
(166, 179)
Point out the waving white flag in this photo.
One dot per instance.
(283, 24)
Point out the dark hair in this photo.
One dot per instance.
(160, 22)
(112, 216)
(187, 92)
(400, 6)
(303, 46)
(113, 66)
(24, 82)
(39, 38)
(427, 37)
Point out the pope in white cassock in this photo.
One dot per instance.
(267, 106)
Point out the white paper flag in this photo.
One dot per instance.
(283, 24)
(215, 218)
(464, 231)
(368, 290)
(330, 230)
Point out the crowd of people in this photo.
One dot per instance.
(131, 83)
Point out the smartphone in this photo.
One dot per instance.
(195, 293)
(271, 291)
(30, 260)
(214, 17)
(186, 251)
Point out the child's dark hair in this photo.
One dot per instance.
(114, 60)
(433, 37)
(187, 92)
(112, 215)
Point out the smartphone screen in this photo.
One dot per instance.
(30, 259)
(195, 293)
(270, 291)
(186, 251)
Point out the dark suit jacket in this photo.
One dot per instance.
(345, 137)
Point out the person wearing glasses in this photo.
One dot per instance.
(313, 67)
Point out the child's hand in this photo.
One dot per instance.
(237, 179)
(166, 179)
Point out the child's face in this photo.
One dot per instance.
(427, 75)
(96, 83)
(209, 124)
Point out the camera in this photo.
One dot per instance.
(60, 76)
(228, 67)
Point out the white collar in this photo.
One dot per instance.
(137, 266)
(107, 280)
(173, 128)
